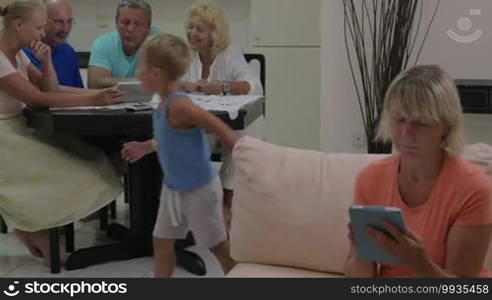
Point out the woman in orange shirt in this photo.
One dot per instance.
(446, 201)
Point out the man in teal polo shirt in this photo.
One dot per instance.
(114, 55)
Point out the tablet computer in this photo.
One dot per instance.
(134, 92)
(363, 217)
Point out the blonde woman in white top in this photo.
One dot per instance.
(218, 68)
(46, 181)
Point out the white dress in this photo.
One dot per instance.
(45, 180)
(229, 65)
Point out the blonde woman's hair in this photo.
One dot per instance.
(13, 10)
(168, 53)
(427, 92)
(210, 12)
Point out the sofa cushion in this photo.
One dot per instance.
(267, 271)
(481, 155)
(290, 206)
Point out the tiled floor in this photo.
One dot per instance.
(16, 261)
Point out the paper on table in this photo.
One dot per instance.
(229, 104)
(134, 92)
(107, 107)
(131, 106)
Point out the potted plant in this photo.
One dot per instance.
(381, 37)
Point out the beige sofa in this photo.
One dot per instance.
(290, 208)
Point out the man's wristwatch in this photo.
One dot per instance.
(226, 87)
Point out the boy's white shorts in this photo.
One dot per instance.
(198, 210)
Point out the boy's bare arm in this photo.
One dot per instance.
(185, 114)
(134, 151)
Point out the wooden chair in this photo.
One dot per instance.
(216, 156)
(83, 59)
(54, 240)
(54, 237)
(261, 59)
(3, 226)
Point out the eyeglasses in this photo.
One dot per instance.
(61, 23)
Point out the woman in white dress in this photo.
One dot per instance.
(45, 181)
(218, 68)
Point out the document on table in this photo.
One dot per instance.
(230, 104)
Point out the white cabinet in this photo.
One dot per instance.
(287, 32)
(285, 23)
(292, 96)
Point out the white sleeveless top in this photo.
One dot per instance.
(9, 106)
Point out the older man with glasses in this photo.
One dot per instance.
(114, 55)
(59, 24)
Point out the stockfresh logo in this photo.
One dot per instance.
(65, 288)
(465, 25)
(12, 290)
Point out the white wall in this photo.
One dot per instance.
(292, 96)
(464, 60)
(285, 23)
(290, 42)
(340, 115)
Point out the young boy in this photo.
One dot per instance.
(191, 197)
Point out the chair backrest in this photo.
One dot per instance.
(261, 59)
(83, 58)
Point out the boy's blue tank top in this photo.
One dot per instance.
(184, 155)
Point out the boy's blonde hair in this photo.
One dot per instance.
(168, 53)
(13, 10)
(427, 92)
(210, 12)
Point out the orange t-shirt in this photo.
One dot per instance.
(462, 196)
